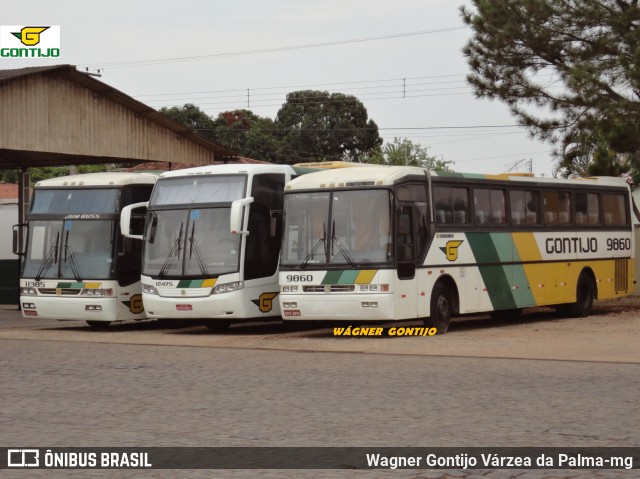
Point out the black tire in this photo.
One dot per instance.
(441, 309)
(99, 324)
(585, 294)
(217, 326)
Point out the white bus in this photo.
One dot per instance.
(399, 243)
(211, 243)
(76, 264)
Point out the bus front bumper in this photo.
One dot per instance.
(339, 307)
(84, 309)
(224, 306)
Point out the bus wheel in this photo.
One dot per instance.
(217, 326)
(585, 294)
(99, 324)
(441, 309)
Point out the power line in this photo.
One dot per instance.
(214, 56)
(313, 85)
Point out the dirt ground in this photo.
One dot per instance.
(610, 334)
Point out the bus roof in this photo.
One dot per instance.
(370, 174)
(380, 175)
(99, 179)
(329, 164)
(228, 170)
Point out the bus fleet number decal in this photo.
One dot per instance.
(299, 278)
(618, 244)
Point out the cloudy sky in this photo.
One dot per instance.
(402, 59)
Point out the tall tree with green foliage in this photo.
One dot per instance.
(193, 117)
(403, 151)
(318, 126)
(569, 70)
(248, 134)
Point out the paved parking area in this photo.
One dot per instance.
(142, 385)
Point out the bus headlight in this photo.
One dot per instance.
(374, 288)
(28, 292)
(98, 292)
(228, 287)
(148, 289)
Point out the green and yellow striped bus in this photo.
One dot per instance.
(398, 243)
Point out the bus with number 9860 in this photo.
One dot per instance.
(401, 243)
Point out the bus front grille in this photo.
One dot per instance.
(329, 288)
(59, 291)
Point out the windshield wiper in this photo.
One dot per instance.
(68, 253)
(342, 249)
(316, 246)
(52, 257)
(195, 249)
(175, 251)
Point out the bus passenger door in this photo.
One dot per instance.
(406, 286)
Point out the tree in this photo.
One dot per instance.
(248, 134)
(591, 156)
(193, 117)
(404, 152)
(569, 70)
(318, 126)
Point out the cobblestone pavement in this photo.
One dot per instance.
(79, 394)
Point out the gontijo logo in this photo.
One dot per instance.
(30, 41)
(29, 35)
(451, 249)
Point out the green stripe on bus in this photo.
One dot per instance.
(495, 278)
(452, 174)
(64, 285)
(522, 294)
(183, 283)
(332, 277)
(348, 276)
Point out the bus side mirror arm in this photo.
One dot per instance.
(237, 215)
(125, 219)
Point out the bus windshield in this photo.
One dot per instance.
(193, 189)
(71, 249)
(75, 201)
(190, 242)
(350, 227)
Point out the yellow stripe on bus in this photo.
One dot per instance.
(365, 276)
(208, 283)
(527, 246)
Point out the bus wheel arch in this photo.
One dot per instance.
(444, 304)
(586, 293)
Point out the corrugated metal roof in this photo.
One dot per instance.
(10, 158)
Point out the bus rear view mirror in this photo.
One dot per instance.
(18, 245)
(125, 220)
(237, 216)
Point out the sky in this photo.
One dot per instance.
(402, 59)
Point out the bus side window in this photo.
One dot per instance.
(615, 210)
(451, 205)
(587, 209)
(557, 207)
(524, 207)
